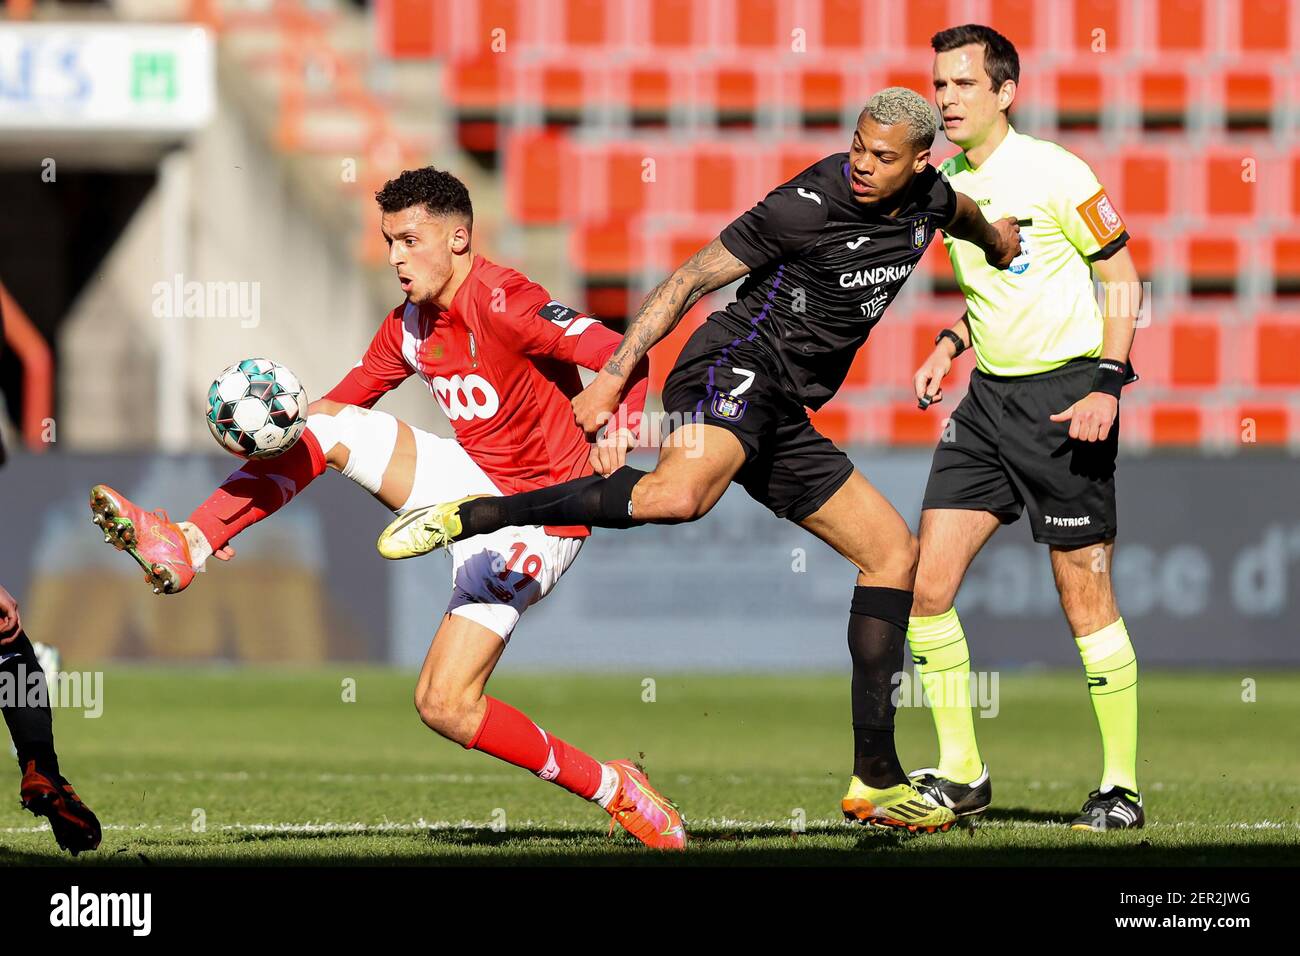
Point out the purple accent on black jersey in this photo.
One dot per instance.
(767, 307)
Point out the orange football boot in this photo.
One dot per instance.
(642, 811)
(157, 544)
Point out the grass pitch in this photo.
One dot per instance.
(261, 767)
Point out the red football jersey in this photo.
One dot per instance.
(501, 363)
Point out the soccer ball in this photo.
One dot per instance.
(257, 409)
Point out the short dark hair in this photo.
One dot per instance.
(1001, 61)
(435, 189)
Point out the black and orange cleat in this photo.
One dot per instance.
(75, 826)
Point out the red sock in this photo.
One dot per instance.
(508, 735)
(258, 489)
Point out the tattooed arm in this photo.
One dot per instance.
(708, 270)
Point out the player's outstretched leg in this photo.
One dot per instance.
(451, 701)
(695, 467)
(44, 791)
(155, 542)
(859, 523)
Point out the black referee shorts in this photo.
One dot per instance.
(723, 380)
(1001, 452)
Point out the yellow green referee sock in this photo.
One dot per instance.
(943, 662)
(1111, 667)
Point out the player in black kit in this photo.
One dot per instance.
(823, 255)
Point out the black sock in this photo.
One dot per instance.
(877, 634)
(596, 501)
(27, 710)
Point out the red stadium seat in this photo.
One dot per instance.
(822, 93)
(1286, 263)
(1295, 183)
(834, 422)
(1264, 25)
(478, 85)
(760, 25)
(650, 90)
(842, 27)
(535, 176)
(563, 89)
(1176, 424)
(715, 172)
(1213, 260)
(1092, 15)
(607, 249)
(1081, 93)
(586, 23)
(909, 425)
(736, 91)
(1180, 25)
(1018, 21)
(922, 81)
(1141, 247)
(1277, 352)
(1266, 424)
(627, 192)
(1227, 193)
(1248, 97)
(1194, 354)
(1163, 97)
(922, 19)
(672, 24)
(1145, 183)
(409, 29)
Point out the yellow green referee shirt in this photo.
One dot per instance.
(1043, 311)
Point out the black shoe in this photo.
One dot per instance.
(75, 827)
(1114, 809)
(963, 799)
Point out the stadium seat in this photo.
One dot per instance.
(922, 19)
(1266, 424)
(1248, 97)
(1080, 94)
(922, 81)
(1019, 22)
(479, 85)
(534, 165)
(1146, 177)
(1176, 424)
(673, 24)
(1163, 97)
(607, 249)
(650, 90)
(761, 26)
(1294, 177)
(1194, 354)
(1277, 352)
(1228, 193)
(587, 24)
(1286, 263)
(841, 27)
(1264, 25)
(822, 93)
(1181, 26)
(664, 355)
(1212, 260)
(737, 92)
(834, 421)
(1088, 16)
(909, 425)
(411, 29)
(715, 175)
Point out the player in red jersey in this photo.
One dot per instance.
(500, 357)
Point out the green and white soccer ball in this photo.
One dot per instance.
(257, 409)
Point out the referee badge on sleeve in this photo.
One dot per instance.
(1101, 218)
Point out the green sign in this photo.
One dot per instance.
(153, 77)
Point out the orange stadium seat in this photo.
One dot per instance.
(842, 27)
(1271, 424)
(506, 16)
(736, 91)
(586, 23)
(1277, 352)
(1227, 192)
(1286, 263)
(673, 24)
(1248, 97)
(1264, 25)
(1018, 21)
(1092, 15)
(1194, 353)
(607, 249)
(1295, 183)
(761, 25)
(922, 19)
(1213, 260)
(1145, 180)
(835, 422)
(411, 29)
(535, 176)
(479, 85)
(650, 90)
(1180, 26)
(563, 88)
(1141, 246)
(909, 425)
(1081, 93)
(714, 174)
(1163, 97)
(822, 93)
(922, 81)
(1176, 424)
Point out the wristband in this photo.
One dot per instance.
(1110, 377)
(958, 344)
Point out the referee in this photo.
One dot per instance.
(1039, 425)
